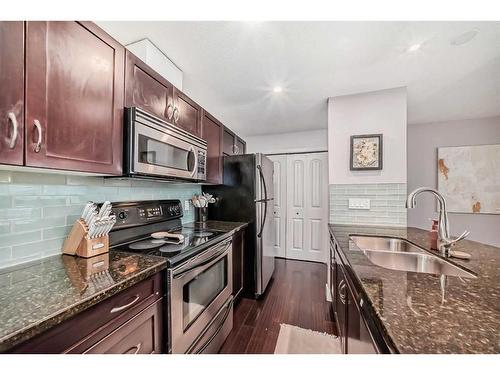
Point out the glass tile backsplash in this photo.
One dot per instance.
(387, 204)
(37, 210)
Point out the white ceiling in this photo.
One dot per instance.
(230, 68)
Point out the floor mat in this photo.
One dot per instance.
(296, 340)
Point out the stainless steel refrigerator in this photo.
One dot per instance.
(247, 195)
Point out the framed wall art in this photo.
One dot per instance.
(366, 152)
(469, 178)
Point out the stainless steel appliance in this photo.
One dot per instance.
(155, 148)
(247, 195)
(198, 276)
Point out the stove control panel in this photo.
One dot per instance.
(129, 214)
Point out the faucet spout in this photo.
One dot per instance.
(443, 224)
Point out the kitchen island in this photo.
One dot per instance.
(413, 312)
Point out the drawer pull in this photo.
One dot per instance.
(135, 349)
(121, 308)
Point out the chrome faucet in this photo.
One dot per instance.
(445, 241)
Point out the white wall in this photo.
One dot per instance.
(423, 142)
(375, 112)
(307, 141)
(156, 59)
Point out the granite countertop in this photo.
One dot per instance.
(39, 295)
(426, 313)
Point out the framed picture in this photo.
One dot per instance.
(366, 152)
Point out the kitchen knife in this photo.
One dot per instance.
(104, 209)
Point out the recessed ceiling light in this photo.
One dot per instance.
(414, 47)
(277, 89)
(464, 38)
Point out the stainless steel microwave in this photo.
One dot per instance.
(155, 148)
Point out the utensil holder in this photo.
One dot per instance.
(78, 243)
(201, 216)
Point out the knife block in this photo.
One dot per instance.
(78, 243)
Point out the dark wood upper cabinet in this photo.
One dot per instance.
(232, 144)
(147, 89)
(240, 146)
(74, 97)
(12, 95)
(228, 142)
(212, 132)
(187, 113)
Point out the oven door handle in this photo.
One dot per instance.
(201, 264)
(209, 341)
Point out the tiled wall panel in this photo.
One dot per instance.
(387, 204)
(37, 210)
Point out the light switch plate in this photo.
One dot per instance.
(187, 205)
(359, 204)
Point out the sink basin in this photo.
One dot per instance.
(386, 244)
(401, 255)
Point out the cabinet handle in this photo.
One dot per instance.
(176, 114)
(121, 308)
(170, 111)
(13, 121)
(136, 347)
(38, 145)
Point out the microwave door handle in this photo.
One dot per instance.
(195, 154)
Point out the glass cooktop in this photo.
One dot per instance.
(156, 244)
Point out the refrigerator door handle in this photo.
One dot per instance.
(263, 181)
(263, 221)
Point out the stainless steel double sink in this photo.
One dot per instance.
(401, 255)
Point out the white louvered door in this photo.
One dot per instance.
(307, 207)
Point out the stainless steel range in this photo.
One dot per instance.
(198, 277)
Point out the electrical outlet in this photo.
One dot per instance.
(187, 205)
(359, 204)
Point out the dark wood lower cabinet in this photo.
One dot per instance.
(353, 331)
(140, 335)
(358, 339)
(128, 321)
(238, 266)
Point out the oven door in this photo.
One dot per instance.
(200, 289)
(162, 154)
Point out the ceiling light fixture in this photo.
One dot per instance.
(414, 47)
(277, 89)
(464, 38)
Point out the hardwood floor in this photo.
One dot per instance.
(296, 296)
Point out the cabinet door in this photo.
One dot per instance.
(239, 146)
(228, 142)
(12, 94)
(188, 116)
(358, 338)
(212, 133)
(140, 335)
(146, 89)
(238, 267)
(74, 97)
(341, 300)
